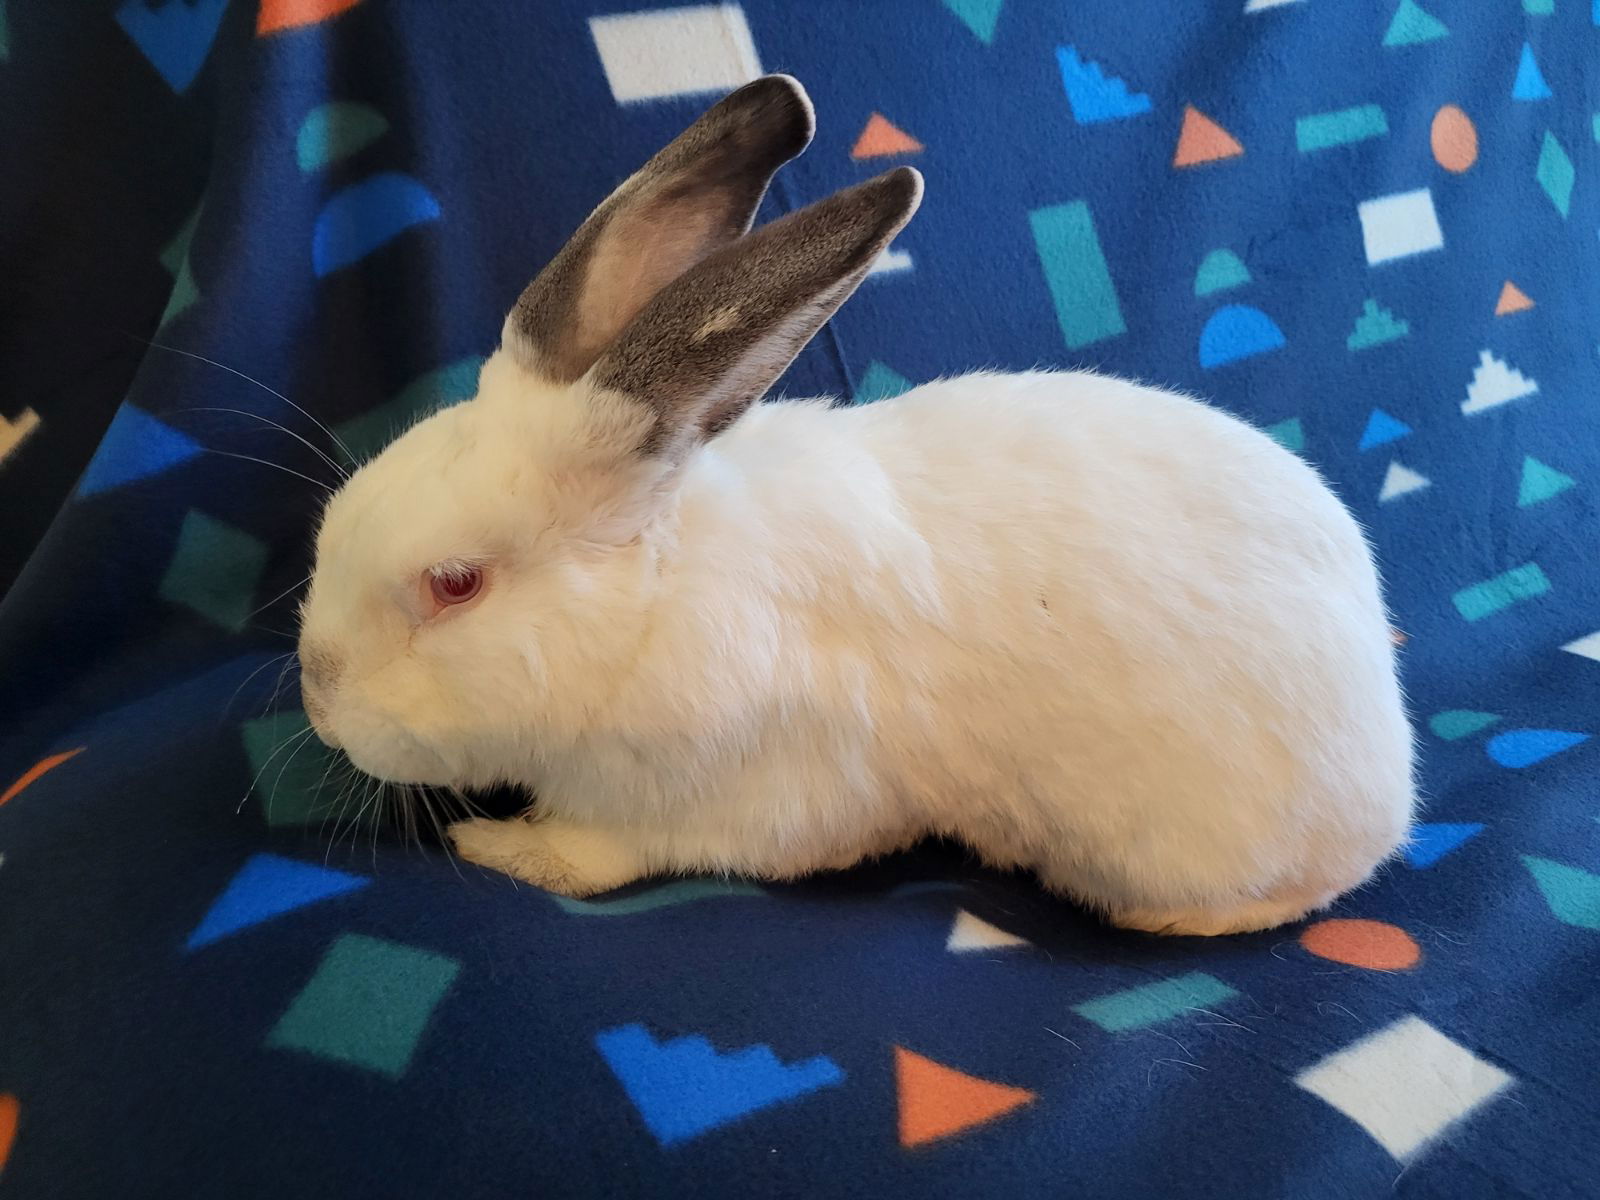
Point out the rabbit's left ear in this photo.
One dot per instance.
(698, 194)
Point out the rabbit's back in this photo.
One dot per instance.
(1089, 627)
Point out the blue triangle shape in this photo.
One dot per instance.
(175, 37)
(1518, 748)
(1381, 428)
(136, 446)
(1530, 84)
(1430, 843)
(268, 886)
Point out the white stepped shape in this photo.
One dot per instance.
(1495, 382)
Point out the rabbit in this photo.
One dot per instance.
(1091, 629)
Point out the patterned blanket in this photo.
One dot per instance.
(235, 228)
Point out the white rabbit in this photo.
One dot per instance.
(1089, 628)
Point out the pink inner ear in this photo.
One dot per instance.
(637, 255)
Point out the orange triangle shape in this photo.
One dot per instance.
(1202, 140)
(1512, 300)
(289, 14)
(880, 138)
(937, 1101)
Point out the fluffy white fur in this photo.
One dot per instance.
(1089, 628)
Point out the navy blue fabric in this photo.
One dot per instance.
(409, 1028)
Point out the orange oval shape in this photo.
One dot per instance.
(1454, 138)
(1376, 945)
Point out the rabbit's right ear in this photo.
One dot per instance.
(692, 198)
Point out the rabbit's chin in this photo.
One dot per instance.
(403, 761)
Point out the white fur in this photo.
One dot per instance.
(1089, 628)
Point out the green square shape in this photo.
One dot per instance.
(367, 1004)
(297, 786)
(215, 570)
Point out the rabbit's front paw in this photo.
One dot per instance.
(557, 857)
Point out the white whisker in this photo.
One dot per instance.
(332, 436)
(268, 463)
(281, 595)
(292, 740)
(226, 708)
(339, 468)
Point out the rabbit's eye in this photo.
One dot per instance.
(456, 586)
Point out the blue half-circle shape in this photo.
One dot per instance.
(1237, 331)
(366, 215)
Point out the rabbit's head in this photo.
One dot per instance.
(484, 583)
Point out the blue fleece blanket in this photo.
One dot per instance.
(1368, 226)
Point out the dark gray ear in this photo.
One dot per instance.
(698, 194)
(719, 336)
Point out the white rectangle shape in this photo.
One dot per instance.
(1400, 225)
(1404, 1084)
(675, 51)
(889, 262)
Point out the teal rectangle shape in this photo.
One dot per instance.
(1075, 270)
(1490, 596)
(367, 1004)
(1154, 1002)
(1319, 131)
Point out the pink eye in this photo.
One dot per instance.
(458, 586)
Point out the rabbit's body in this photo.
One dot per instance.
(1089, 628)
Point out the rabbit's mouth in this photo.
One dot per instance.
(382, 748)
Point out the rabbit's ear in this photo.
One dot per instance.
(695, 196)
(720, 335)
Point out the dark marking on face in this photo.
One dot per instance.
(319, 667)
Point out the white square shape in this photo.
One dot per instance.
(675, 51)
(1404, 1084)
(1400, 225)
